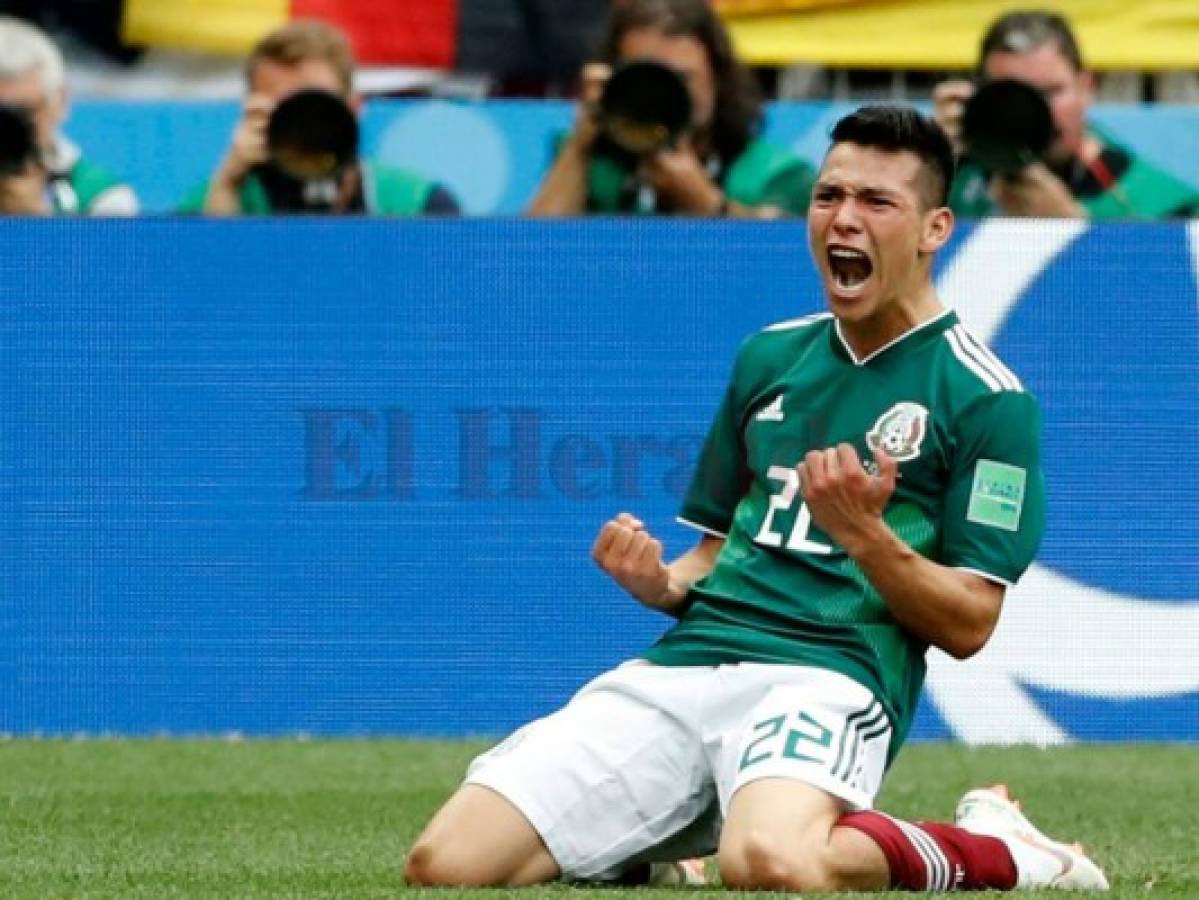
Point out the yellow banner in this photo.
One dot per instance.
(1148, 35)
(217, 26)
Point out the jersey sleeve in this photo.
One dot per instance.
(995, 505)
(721, 475)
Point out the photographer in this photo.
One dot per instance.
(714, 166)
(41, 172)
(1080, 172)
(295, 148)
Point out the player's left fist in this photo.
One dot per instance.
(841, 495)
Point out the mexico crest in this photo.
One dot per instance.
(899, 431)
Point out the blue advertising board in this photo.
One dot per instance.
(342, 477)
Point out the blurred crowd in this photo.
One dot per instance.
(668, 122)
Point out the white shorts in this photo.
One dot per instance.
(641, 764)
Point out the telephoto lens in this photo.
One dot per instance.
(312, 136)
(645, 107)
(1007, 126)
(18, 139)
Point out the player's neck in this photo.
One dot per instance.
(891, 322)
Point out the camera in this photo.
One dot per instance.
(645, 107)
(312, 138)
(1007, 125)
(18, 139)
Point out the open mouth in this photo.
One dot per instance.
(850, 268)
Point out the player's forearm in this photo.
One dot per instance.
(689, 568)
(947, 608)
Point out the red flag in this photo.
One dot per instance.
(399, 32)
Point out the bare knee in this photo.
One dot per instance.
(763, 861)
(755, 862)
(479, 839)
(418, 867)
(440, 861)
(429, 865)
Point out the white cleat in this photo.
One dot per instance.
(684, 873)
(1040, 861)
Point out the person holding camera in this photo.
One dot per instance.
(41, 171)
(295, 148)
(668, 123)
(1021, 155)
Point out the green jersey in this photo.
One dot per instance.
(970, 495)
(762, 174)
(1120, 185)
(386, 191)
(79, 187)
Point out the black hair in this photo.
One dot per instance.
(737, 117)
(1028, 29)
(893, 127)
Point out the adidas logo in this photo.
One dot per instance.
(773, 412)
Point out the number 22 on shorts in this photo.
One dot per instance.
(805, 738)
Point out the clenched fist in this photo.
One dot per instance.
(846, 500)
(627, 552)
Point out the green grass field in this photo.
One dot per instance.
(169, 819)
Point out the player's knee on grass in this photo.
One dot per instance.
(436, 864)
(761, 860)
(765, 859)
(448, 856)
(428, 865)
(478, 839)
(419, 868)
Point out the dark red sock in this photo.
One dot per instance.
(931, 856)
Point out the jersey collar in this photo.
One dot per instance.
(912, 338)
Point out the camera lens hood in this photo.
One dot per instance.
(1007, 125)
(18, 139)
(312, 134)
(644, 107)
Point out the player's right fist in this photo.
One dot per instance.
(627, 552)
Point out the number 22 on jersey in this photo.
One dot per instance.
(782, 500)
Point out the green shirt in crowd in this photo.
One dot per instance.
(1121, 186)
(79, 187)
(970, 495)
(386, 191)
(762, 174)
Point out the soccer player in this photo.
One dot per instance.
(870, 486)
